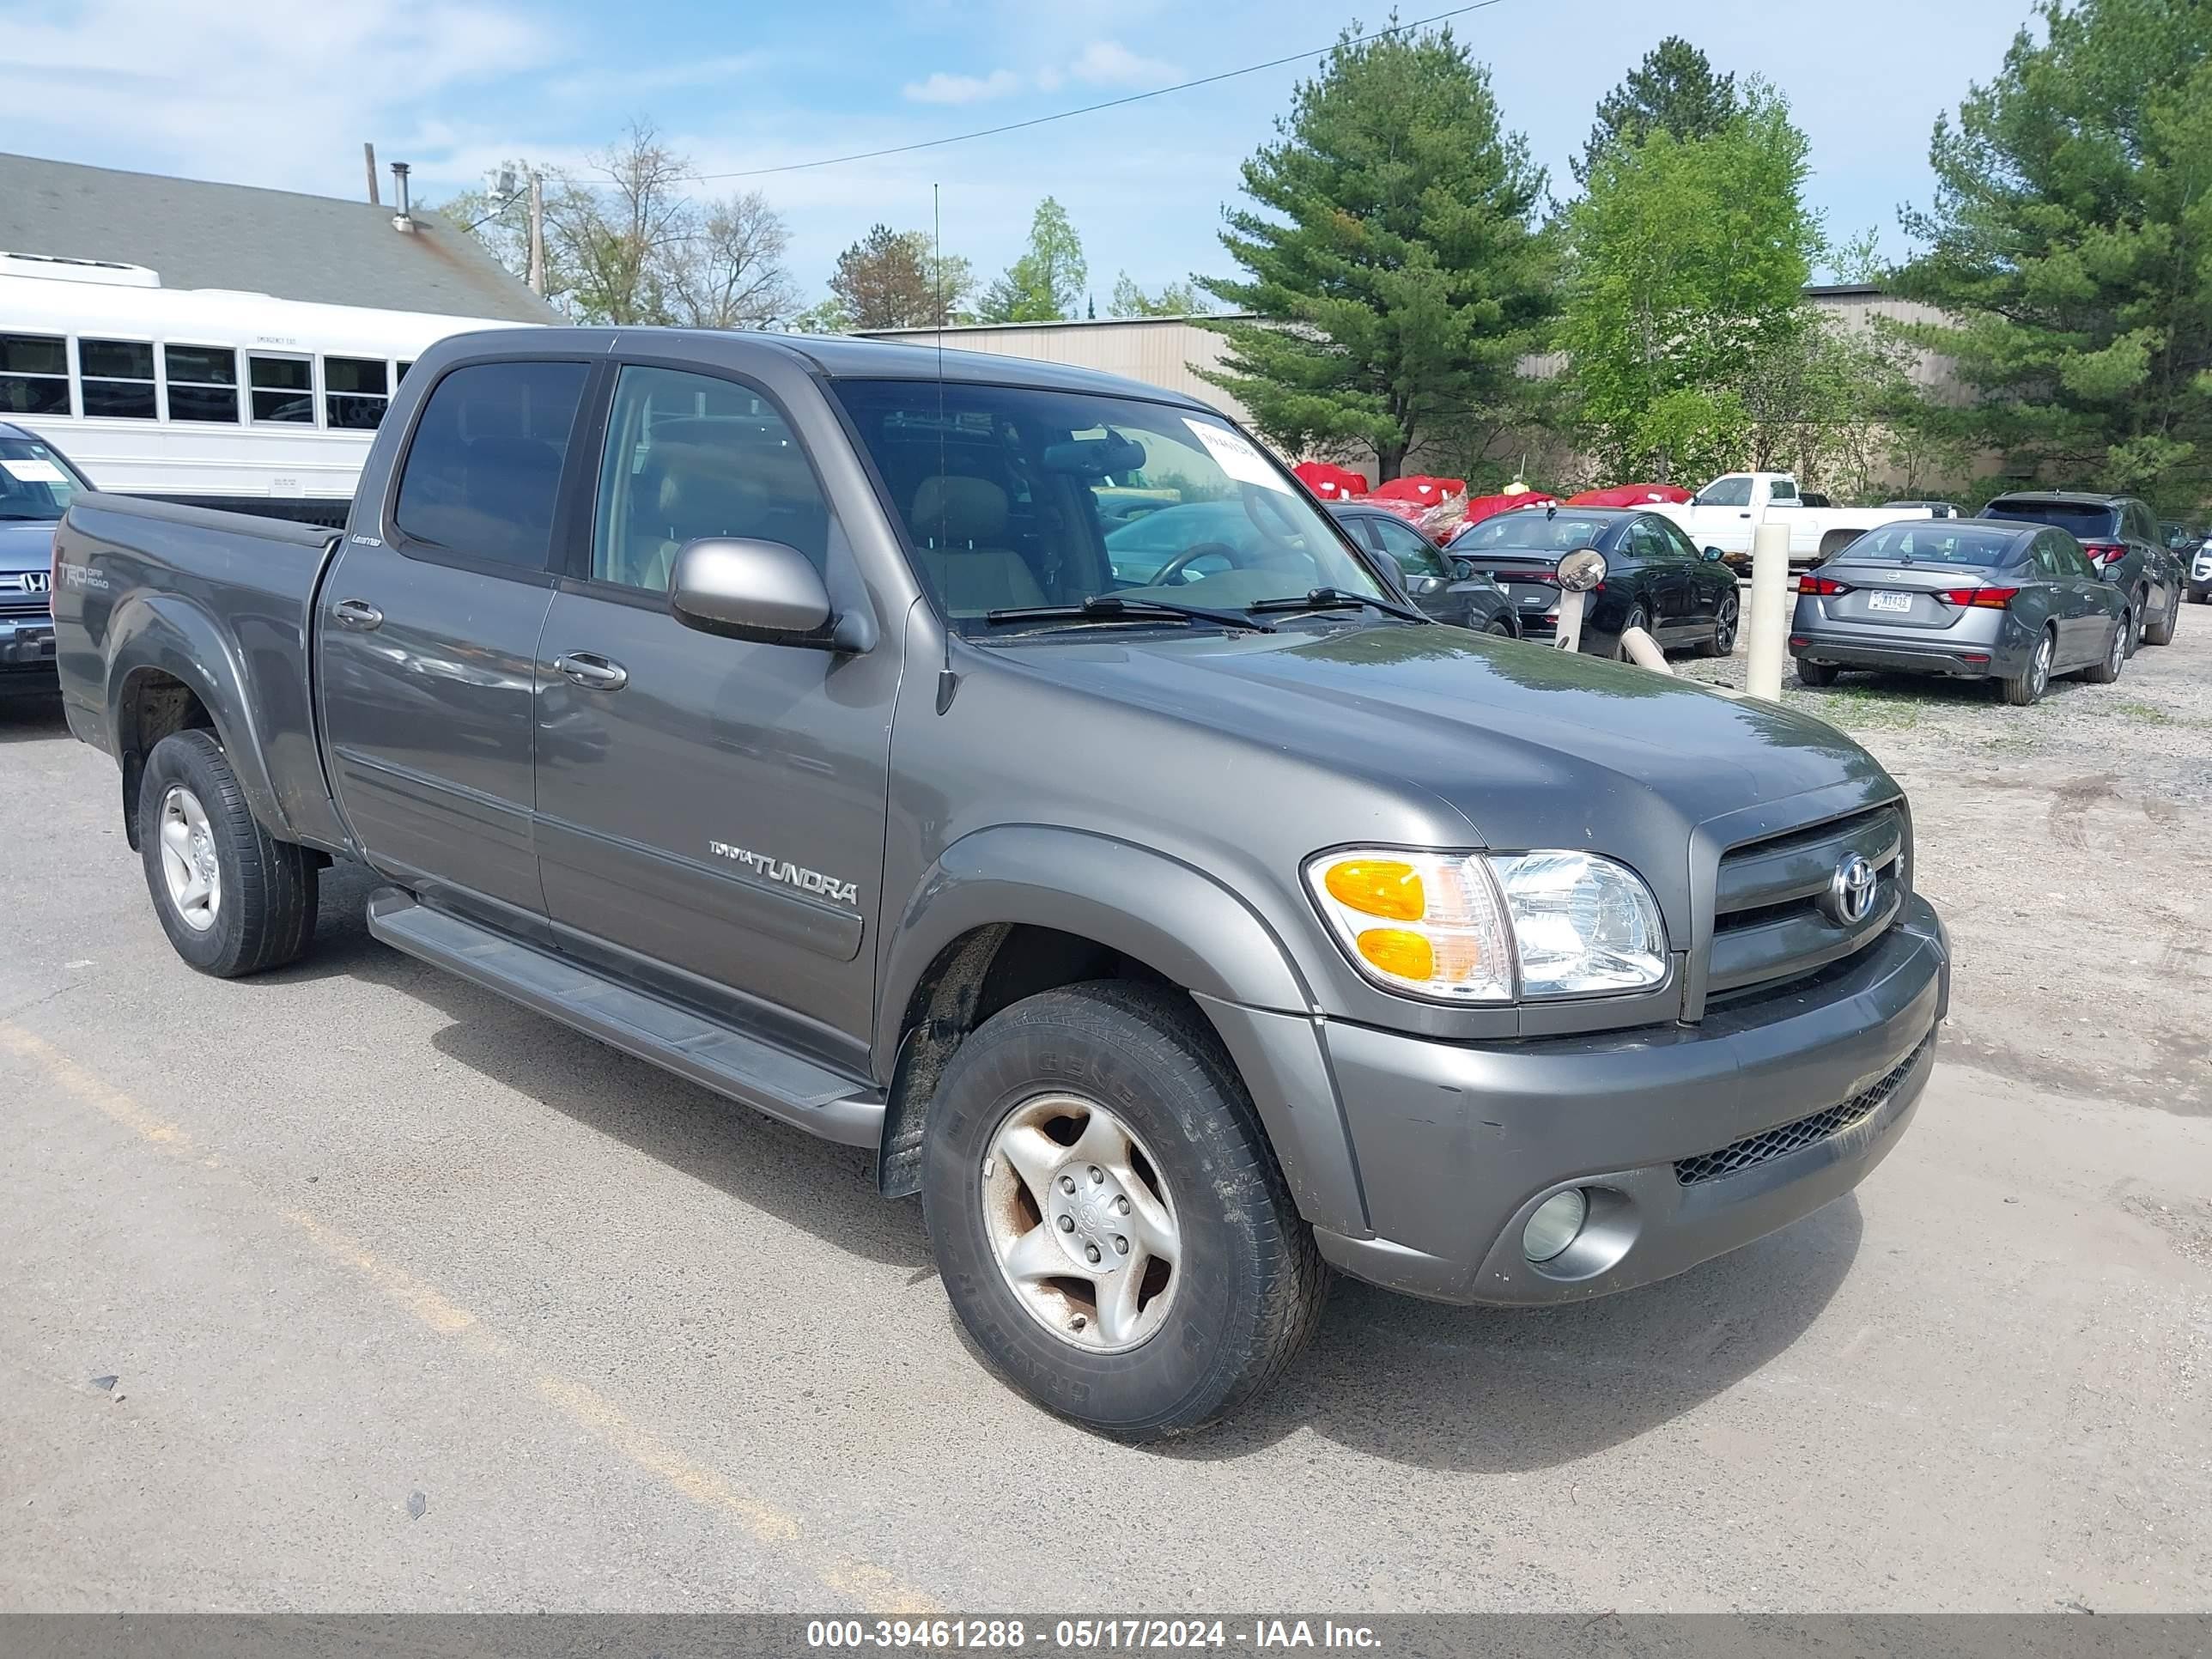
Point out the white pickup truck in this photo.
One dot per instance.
(1726, 511)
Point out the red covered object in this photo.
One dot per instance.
(1420, 487)
(1485, 506)
(1644, 494)
(1331, 483)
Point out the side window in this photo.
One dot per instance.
(1782, 492)
(354, 391)
(203, 383)
(283, 389)
(1676, 537)
(689, 456)
(1409, 549)
(1645, 541)
(118, 379)
(2048, 560)
(483, 473)
(2076, 562)
(34, 374)
(2145, 526)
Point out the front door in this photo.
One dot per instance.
(711, 811)
(1665, 577)
(427, 637)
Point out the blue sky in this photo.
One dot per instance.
(277, 93)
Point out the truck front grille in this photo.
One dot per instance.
(22, 604)
(1774, 917)
(1778, 1142)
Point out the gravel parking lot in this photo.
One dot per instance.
(355, 1287)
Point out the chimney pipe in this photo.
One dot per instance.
(403, 220)
(368, 155)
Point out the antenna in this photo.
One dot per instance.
(947, 681)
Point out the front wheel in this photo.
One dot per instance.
(2024, 688)
(1109, 1220)
(232, 899)
(2116, 654)
(1723, 640)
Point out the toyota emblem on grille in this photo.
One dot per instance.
(1851, 890)
(36, 581)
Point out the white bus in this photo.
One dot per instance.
(208, 395)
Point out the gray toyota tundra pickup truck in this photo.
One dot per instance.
(770, 709)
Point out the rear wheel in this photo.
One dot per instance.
(1108, 1218)
(1817, 673)
(1722, 642)
(2162, 633)
(2025, 687)
(2116, 654)
(232, 898)
(1500, 627)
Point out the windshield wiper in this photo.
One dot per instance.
(1336, 599)
(1108, 607)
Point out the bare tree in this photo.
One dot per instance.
(615, 226)
(728, 270)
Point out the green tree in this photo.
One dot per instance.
(1174, 299)
(2067, 244)
(1393, 271)
(1045, 284)
(1687, 262)
(1672, 90)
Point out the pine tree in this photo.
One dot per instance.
(1672, 90)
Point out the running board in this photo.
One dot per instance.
(766, 1078)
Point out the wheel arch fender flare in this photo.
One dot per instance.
(166, 633)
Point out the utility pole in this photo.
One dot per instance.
(537, 232)
(368, 155)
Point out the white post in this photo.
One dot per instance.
(1770, 610)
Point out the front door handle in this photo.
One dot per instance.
(357, 614)
(592, 671)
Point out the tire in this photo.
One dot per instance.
(2116, 654)
(259, 912)
(2162, 633)
(2024, 688)
(1637, 618)
(1501, 627)
(1817, 673)
(1246, 1286)
(2136, 609)
(1722, 641)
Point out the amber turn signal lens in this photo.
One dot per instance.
(1396, 950)
(1378, 887)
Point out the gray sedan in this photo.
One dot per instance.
(1968, 597)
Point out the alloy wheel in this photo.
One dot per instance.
(1081, 1223)
(189, 865)
(1724, 626)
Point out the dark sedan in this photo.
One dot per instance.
(1968, 597)
(1471, 600)
(1655, 578)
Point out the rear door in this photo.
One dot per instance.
(2081, 630)
(426, 636)
(711, 811)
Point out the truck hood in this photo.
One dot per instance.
(1534, 747)
(25, 544)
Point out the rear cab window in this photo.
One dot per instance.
(482, 479)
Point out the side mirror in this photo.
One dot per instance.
(1714, 554)
(765, 592)
(1581, 570)
(1462, 570)
(2109, 573)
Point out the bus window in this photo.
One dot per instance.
(203, 383)
(118, 378)
(34, 374)
(283, 389)
(354, 393)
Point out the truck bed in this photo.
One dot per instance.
(223, 601)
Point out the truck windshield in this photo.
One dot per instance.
(1016, 499)
(35, 481)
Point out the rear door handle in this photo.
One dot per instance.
(357, 614)
(592, 671)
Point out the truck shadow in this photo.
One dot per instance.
(29, 717)
(1415, 1382)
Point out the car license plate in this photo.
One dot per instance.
(1889, 601)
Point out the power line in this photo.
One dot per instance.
(1093, 109)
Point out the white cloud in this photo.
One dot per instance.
(942, 88)
(1110, 64)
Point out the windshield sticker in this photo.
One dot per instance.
(1236, 457)
(33, 472)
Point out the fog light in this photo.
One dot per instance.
(1558, 1219)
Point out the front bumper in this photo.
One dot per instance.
(27, 642)
(1694, 1139)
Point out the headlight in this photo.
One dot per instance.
(1491, 928)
